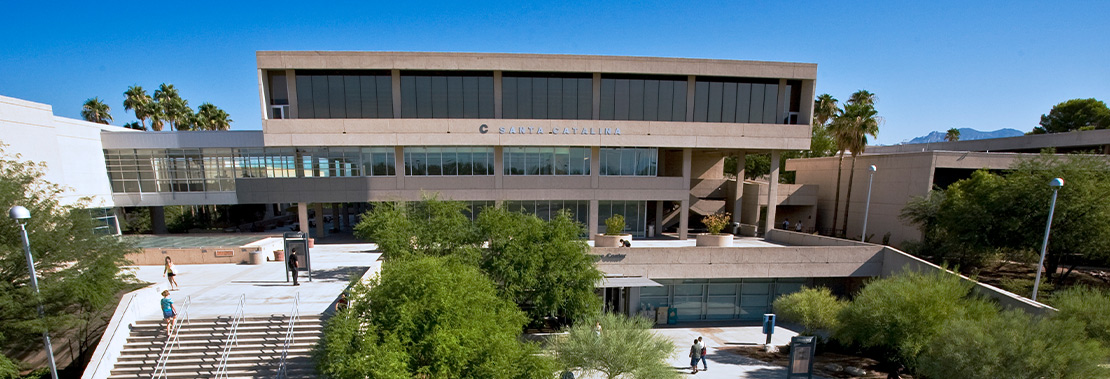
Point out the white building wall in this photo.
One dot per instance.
(70, 149)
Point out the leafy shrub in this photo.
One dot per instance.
(614, 225)
(625, 347)
(903, 313)
(1088, 306)
(1011, 345)
(716, 222)
(814, 308)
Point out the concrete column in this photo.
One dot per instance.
(335, 224)
(772, 191)
(498, 107)
(591, 227)
(319, 220)
(396, 84)
(264, 93)
(399, 165)
(805, 113)
(595, 166)
(597, 96)
(684, 213)
(158, 220)
(291, 85)
(498, 167)
(783, 103)
(268, 212)
(302, 216)
(690, 86)
(658, 217)
(346, 215)
(738, 197)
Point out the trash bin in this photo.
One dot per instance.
(661, 315)
(651, 231)
(736, 228)
(672, 316)
(257, 258)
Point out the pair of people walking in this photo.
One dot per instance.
(697, 353)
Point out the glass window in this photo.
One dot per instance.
(343, 94)
(643, 97)
(352, 88)
(634, 212)
(434, 94)
(320, 96)
(279, 89)
(545, 95)
(771, 104)
(743, 101)
(448, 161)
(335, 96)
(629, 161)
(755, 112)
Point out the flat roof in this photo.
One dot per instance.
(1070, 140)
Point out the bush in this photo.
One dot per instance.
(1088, 306)
(625, 346)
(1011, 345)
(814, 308)
(902, 314)
(716, 222)
(614, 225)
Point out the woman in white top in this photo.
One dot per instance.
(171, 272)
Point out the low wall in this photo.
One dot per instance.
(134, 306)
(787, 237)
(741, 262)
(205, 254)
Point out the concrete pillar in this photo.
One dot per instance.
(738, 197)
(684, 213)
(805, 114)
(772, 191)
(346, 216)
(268, 212)
(684, 220)
(291, 86)
(658, 217)
(498, 167)
(596, 89)
(399, 165)
(158, 220)
(302, 216)
(783, 103)
(595, 166)
(319, 220)
(591, 226)
(498, 107)
(396, 87)
(335, 217)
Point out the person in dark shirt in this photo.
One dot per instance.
(294, 263)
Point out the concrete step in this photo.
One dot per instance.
(213, 366)
(214, 355)
(159, 339)
(260, 348)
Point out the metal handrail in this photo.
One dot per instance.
(171, 341)
(294, 315)
(232, 337)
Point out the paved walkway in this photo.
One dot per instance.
(215, 288)
(722, 364)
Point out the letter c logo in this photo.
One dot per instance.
(483, 129)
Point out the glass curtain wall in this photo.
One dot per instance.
(643, 97)
(739, 100)
(448, 94)
(629, 161)
(547, 96)
(718, 299)
(546, 160)
(344, 94)
(634, 212)
(448, 161)
(547, 209)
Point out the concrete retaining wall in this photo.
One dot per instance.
(741, 262)
(205, 254)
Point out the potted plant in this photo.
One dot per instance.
(715, 223)
(614, 233)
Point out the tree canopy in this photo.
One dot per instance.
(952, 135)
(990, 213)
(624, 348)
(96, 111)
(78, 270)
(1075, 114)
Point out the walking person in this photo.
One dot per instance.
(786, 224)
(695, 355)
(704, 365)
(170, 271)
(169, 313)
(798, 227)
(293, 265)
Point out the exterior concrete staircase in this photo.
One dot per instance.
(201, 342)
(707, 197)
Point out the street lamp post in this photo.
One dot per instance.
(1055, 184)
(20, 215)
(867, 209)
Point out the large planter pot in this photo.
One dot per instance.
(715, 240)
(605, 240)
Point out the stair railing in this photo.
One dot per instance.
(172, 340)
(232, 338)
(293, 316)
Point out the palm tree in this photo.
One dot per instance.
(824, 109)
(953, 135)
(840, 129)
(134, 125)
(96, 111)
(862, 97)
(174, 109)
(861, 121)
(157, 116)
(135, 98)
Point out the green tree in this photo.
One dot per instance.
(96, 111)
(134, 125)
(814, 308)
(211, 117)
(78, 270)
(543, 266)
(1089, 307)
(625, 348)
(952, 135)
(1075, 114)
(429, 227)
(136, 99)
(1011, 345)
(900, 315)
(858, 120)
(172, 109)
(432, 317)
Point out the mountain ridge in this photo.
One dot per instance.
(966, 134)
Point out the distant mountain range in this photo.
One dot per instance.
(967, 134)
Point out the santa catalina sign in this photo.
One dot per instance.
(554, 130)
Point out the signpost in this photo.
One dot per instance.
(801, 357)
(768, 326)
(299, 241)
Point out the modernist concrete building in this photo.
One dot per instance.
(912, 170)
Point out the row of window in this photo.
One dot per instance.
(718, 299)
(567, 96)
(194, 170)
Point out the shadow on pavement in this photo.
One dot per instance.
(343, 274)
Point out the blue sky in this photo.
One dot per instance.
(933, 65)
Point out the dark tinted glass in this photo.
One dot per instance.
(320, 96)
(423, 97)
(335, 96)
(755, 113)
(771, 104)
(539, 98)
(352, 88)
(369, 93)
(304, 97)
(408, 96)
(455, 105)
(509, 95)
(701, 102)
(343, 94)
(436, 94)
(728, 103)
